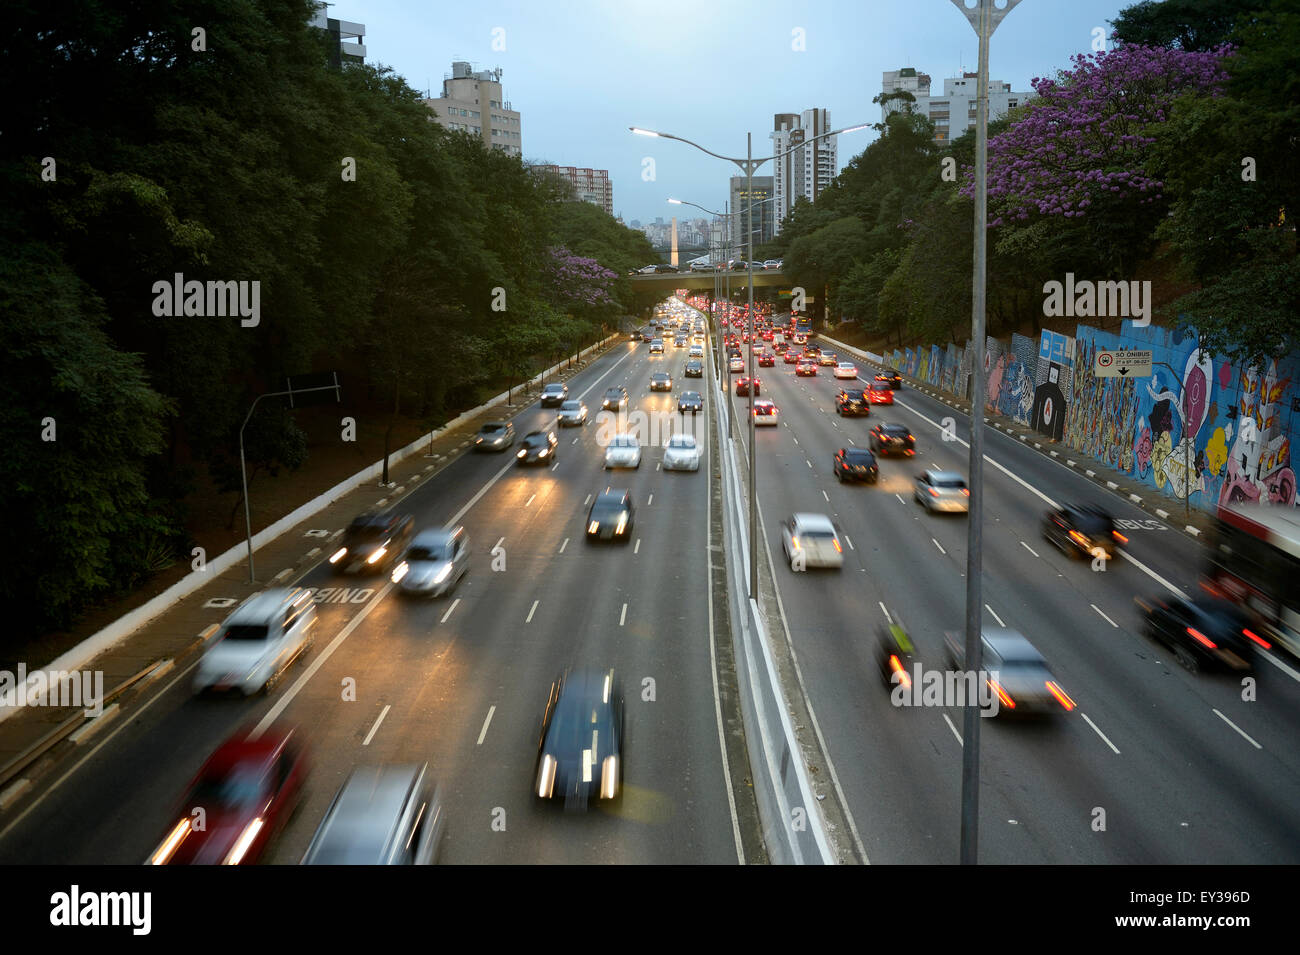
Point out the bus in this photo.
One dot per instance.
(803, 325)
(1253, 559)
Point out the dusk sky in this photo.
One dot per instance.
(582, 71)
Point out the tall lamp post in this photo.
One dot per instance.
(984, 17)
(748, 165)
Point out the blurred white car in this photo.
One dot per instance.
(682, 453)
(846, 369)
(264, 635)
(810, 540)
(624, 451)
(736, 364)
(765, 413)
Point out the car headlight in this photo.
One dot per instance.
(443, 574)
(522, 453)
(593, 527)
(243, 843)
(546, 777)
(544, 452)
(622, 524)
(609, 777)
(400, 571)
(378, 555)
(338, 555)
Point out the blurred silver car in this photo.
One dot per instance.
(571, 413)
(434, 563)
(494, 436)
(383, 815)
(942, 491)
(257, 642)
(1017, 672)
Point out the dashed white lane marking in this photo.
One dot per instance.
(564, 545)
(995, 615)
(885, 611)
(954, 729)
(450, 610)
(900, 499)
(483, 732)
(1104, 617)
(532, 610)
(622, 617)
(1238, 729)
(1028, 548)
(1096, 729)
(375, 728)
(938, 545)
(636, 548)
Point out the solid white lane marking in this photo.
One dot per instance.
(1097, 729)
(373, 729)
(1103, 616)
(532, 610)
(450, 610)
(483, 732)
(1238, 729)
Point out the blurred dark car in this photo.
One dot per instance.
(891, 378)
(538, 447)
(238, 802)
(742, 386)
(580, 754)
(694, 369)
(852, 402)
(373, 541)
(895, 653)
(856, 464)
(690, 401)
(891, 438)
(611, 516)
(1204, 632)
(554, 394)
(1083, 530)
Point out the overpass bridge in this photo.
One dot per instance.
(667, 282)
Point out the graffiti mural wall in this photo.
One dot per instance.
(1199, 428)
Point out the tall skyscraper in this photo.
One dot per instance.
(805, 171)
(764, 214)
(474, 102)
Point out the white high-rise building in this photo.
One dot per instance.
(807, 171)
(475, 103)
(953, 113)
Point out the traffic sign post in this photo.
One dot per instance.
(1129, 363)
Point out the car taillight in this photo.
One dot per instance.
(838, 548)
(1078, 538)
(1003, 696)
(966, 491)
(934, 492)
(896, 665)
(1061, 697)
(1119, 537)
(1201, 638)
(1258, 639)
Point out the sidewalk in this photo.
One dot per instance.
(1193, 522)
(35, 738)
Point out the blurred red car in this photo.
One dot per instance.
(239, 801)
(880, 394)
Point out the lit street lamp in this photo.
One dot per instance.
(748, 165)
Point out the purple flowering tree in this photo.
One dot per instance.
(1085, 139)
(579, 284)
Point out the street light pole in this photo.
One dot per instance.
(984, 17)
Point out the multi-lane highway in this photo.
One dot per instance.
(462, 681)
(1156, 765)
